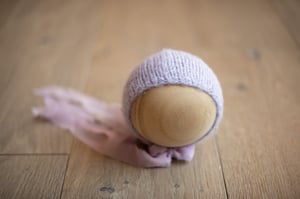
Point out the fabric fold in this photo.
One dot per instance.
(103, 127)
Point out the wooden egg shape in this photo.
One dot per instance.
(173, 115)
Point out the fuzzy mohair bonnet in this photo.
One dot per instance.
(172, 67)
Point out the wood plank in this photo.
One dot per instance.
(258, 138)
(284, 112)
(122, 44)
(237, 26)
(259, 133)
(289, 12)
(92, 175)
(42, 43)
(32, 176)
(6, 8)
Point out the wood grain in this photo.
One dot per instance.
(91, 175)
(32, 176)
(289, 12)
(93, 46)
(258, 135)
(122, 44)
(173, 115)
(6, 9)
(257, 146)
(41, 44)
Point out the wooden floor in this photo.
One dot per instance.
(92, 45)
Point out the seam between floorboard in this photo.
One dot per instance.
(66, 170)
(63, 182)
(282, 21)
(221, 165)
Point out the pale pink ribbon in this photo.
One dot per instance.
(103, 127)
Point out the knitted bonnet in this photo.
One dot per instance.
(172, 67)
(106, 129)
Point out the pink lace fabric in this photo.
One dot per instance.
(103, 127)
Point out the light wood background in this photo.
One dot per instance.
(92, 45)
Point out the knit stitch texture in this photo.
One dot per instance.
(172, 67)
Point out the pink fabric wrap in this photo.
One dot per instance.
(103, 127)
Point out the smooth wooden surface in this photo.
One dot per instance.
(173, 121)
(290, 15)
(91, 175)
(93, 45)
(41, 44)
(32, 176)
